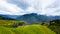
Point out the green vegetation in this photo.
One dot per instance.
(7, 22)
(54, 25)
(12, 23)
(4, 30)
(10, 26)
(28, 29)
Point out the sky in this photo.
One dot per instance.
(21, 7)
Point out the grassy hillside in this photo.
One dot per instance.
(7, 22)
(4, 30)
(29, 29)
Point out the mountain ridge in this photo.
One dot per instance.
(32, 18)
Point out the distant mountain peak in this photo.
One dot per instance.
(32, 17)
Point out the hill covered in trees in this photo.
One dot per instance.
(54, 25)
(5, 18)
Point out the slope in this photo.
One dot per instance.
(33, 18)
(4, 30)
(32, 29)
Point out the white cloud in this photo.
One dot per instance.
(39, 6)
(45, 3)
(7, 8)
(36, 6)
(12, 9)
(54, 8)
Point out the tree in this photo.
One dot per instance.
(21, 23)
(55, 22)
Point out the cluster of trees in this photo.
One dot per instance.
(5, 18)
(19, 24)
(55, 22)
(55, 25)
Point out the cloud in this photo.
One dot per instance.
(45, 3)
(13, 9)
(20, 3)
(20, 7)
(7, 8)
(55, 7)
(55, 4)
(40, 7)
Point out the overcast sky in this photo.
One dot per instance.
(21, 7)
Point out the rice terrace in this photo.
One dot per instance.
(29, 16)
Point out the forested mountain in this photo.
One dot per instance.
(31, 18)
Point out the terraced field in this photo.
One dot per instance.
(28, 29)
(4, 30)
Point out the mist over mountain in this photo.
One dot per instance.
(32, 17)
(6, 18)
(9, 16)
(35, 18)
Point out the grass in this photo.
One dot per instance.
(28, 29)
(4, 30)
(33, 29)
(7, 22)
